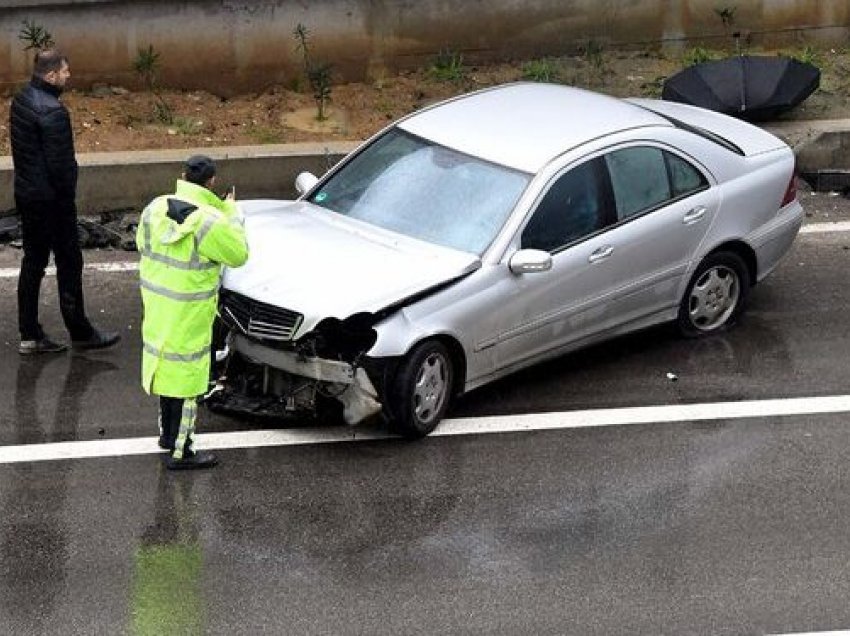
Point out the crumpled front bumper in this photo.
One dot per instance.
(350, 384)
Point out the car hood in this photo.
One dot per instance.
(307, 259)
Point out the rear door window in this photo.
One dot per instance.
(684, 178)
(644, 177)
(638, 178)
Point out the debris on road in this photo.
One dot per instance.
(114, 229)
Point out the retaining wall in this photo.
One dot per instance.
(230, 46)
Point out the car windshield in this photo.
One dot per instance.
(417, 188)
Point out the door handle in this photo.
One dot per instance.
(600, 254)
(694, 215)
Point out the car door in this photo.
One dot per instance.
(544, 311)
(664, 208)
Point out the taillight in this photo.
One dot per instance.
(790, 192)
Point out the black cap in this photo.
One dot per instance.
(199, 169)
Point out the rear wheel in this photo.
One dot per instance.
(715, 296)
(422, 389)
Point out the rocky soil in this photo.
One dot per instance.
(113, 118)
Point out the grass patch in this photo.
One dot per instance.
(447, 67)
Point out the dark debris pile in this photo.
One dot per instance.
(115, 229)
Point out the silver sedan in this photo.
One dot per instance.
(490, 232)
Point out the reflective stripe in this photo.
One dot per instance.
(195, 256)
(146, 225)
(168, 235)
(177, 357)
(195, 264)
(183, 442)
(206, 226)
(180, 296)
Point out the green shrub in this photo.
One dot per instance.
(146, 65)
(539, 71)
(697, 55)
(318, 73)
(447, 66)
(35, 36)
(809, 55)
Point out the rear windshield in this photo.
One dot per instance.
(701, 132)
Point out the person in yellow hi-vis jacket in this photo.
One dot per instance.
(184, 239)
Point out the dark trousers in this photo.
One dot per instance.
(51, 226)
(170, 413)
(177, 424)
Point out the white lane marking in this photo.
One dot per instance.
(822, 228)
(128, 266)
(843, 632)
(461, 426)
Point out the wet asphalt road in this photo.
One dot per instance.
(721, 527)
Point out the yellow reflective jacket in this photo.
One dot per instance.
(184, 239)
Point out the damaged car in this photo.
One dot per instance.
(490, 232)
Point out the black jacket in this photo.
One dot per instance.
(42, 144)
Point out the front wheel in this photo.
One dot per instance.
(422, 389)
(715, 296)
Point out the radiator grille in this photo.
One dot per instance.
(258, 320)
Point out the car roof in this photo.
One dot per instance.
(526, 125)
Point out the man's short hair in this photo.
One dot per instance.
(48, 60)
(199, 169)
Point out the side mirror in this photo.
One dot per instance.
(304, 182)
(530, 262)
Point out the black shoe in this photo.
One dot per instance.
(166, 444)
(97, 340)
(192, 460)
(44, 345)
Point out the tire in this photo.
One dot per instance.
(716, 295)
(421, 390)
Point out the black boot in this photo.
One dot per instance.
(192, 459)
(97, 340)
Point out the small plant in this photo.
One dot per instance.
(594, 53)
(318, 74)
(726, 15)
(146, 65)
(35, 36)
(594, 56)
(653, 88)
(539, 71)
(187, 125)
(447, 66)
(727, 18)
(808, 55)
(697, 55)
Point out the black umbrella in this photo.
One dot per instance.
(748, 87)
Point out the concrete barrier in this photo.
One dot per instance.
(128, 180)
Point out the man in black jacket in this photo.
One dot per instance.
(45, 193)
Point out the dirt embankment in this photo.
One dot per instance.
(111, 118)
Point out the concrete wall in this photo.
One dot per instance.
(230, 46)
(122, 180)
